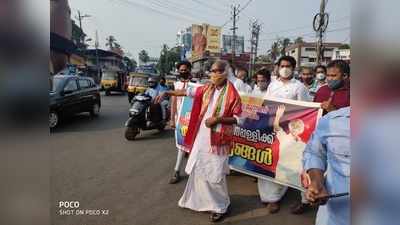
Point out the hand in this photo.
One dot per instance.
(328, 106)
(212, 121)
(316, 192)
(280, 111)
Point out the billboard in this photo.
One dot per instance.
(227, 44)
(205, 38)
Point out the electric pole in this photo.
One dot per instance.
(235, 12)
(320, 23)
(80, 17)
(96, 45)
(255, 32)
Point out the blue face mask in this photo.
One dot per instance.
(335, 84)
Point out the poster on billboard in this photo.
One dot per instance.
(227, 44)
(213, 39)
(205, 38)
(199, 41)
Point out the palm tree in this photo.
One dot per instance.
(111, 41)
(273, 53)
(284, 43)
(298, 40)
(144, 56)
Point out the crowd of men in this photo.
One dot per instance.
(217, 106)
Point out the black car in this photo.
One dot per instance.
(71, 95)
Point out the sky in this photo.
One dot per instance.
(147, 24)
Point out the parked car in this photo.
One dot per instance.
(70, 95)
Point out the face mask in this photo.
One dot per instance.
(217, 80)
(320, 76)
(184, 75)
(262, 85)
(285, 72)
(335, 84)
(308, 80)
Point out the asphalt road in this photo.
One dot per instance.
(127, 181)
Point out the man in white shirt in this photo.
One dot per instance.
(287, 87)
(238, 81)
(184, 69)
(263, 79)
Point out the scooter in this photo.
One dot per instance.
(143, 115)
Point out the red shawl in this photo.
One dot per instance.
(228, 104)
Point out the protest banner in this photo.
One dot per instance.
(271, 138)
(270, 141)
(182, 124)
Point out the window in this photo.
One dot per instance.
(84, 83)
(310, 49)
(328, 49)
(311, 59)
(71, 86)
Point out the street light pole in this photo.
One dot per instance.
(80, 17)
(320, 23)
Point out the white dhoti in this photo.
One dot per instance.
(201, 195)
(206, 189)
(269, 191)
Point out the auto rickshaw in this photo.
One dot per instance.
(137, 84)
(113, 81)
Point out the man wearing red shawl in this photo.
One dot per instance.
(216, 107)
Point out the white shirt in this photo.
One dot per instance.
(239, 84)
(257, 92)
(293, 89)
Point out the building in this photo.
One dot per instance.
(108, 60)
(343, 54)
(61, 46)
(305, 53)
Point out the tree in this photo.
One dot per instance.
(111, 41)
(298, 40)
(144, 56)
(168, 58)
(274, 52)
(345, 46)
(130, 64)
(284, 43)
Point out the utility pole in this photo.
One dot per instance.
(96, 45)
(320, 23)
(235, 17)
(255, 32)
(80, 17)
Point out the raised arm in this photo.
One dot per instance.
(160, 97)
(278, 115)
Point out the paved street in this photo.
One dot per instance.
(94, 164)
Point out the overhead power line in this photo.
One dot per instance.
(240, 10)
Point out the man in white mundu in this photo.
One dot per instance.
(286, 87)
(216, 107)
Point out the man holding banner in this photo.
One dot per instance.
(184, 69)
(327, 160)
(216, 107)
(285, 87)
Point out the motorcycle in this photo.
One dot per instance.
(143, 115)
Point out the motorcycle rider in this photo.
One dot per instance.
(156, 89)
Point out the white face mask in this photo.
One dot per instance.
(320, 76)
(285, 72)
